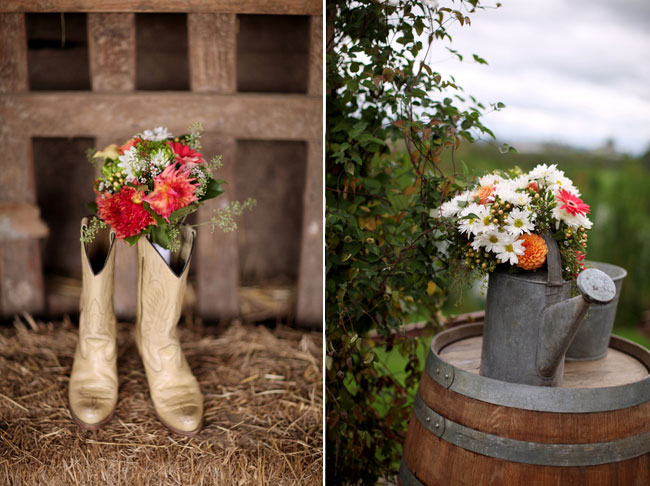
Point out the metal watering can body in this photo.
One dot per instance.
(530, 320)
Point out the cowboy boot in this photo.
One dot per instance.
(92, 393)
(174, 390)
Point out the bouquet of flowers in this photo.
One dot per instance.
(151, 183)
(500, 220)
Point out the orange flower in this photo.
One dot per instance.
(173, 189)
(131, 143)
(484, 194)
(535, 254)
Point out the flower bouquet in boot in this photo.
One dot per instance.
(147, 188)
(527, 231)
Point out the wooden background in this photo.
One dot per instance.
(249, 71)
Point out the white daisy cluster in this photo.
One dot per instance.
(489, 219)
(157, 134)
(132, 164)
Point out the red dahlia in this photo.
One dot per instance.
(123, 211)
(186, 155)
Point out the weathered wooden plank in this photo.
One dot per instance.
(111, 49)
(13, 53)
(19, 221)
(262, 117)
(16, 165)
(212, 52)
(309, 309)
(315, 56)
(284, 7)
(217, 257)
(21, 280)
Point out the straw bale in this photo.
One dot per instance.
(263, 411)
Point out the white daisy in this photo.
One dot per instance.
(560, 181)
(508, 193)
(157, 134)
(490, 241)
(490, 179)
(521, 182)
(508, 251)
(158, 161)
(131, 164)
(485, 222)
(544, 173)
(570, 220)
(470, 219)
(452, 207)
(518, 222)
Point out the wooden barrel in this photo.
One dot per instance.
(467, 429)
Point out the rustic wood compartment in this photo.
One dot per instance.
(213, 84)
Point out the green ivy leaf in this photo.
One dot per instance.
(213, 189)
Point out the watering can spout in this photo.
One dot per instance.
(561, 320)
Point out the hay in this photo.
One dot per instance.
(263, 412)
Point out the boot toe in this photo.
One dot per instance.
(92, 411)
(184, 419)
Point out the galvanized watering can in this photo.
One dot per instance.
(530, 320)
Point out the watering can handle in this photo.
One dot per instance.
(553, 262)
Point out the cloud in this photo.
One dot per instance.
(570, 71)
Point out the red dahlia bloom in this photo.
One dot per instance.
(185, 155)
(572, 204)
(123, 211)
(173, 189)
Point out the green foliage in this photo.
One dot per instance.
(89, 232)
(224, 218)
(384, 258)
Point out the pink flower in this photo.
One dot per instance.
(173, 189)
(123, 211)
(572, 203)
(185, 155)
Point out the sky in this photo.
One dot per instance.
(574, 72)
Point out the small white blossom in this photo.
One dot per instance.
(560, 181)
(432, 4)
(490, 241)
(157, 134)
(131, 164)
(519, 221)
(470, 224)
(509, 250)
(485, 223)
(451, 208)
(521, 182)
(546, 174)
(159, 160)
(490, 179)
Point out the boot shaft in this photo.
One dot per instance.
(96, 316)
(160, 295)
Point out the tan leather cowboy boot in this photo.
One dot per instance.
(174, 390)
(93, 381)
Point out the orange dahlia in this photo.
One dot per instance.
(123, 211)
(131, 143)
(535, 254)
(173, 189)
(484, 194)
